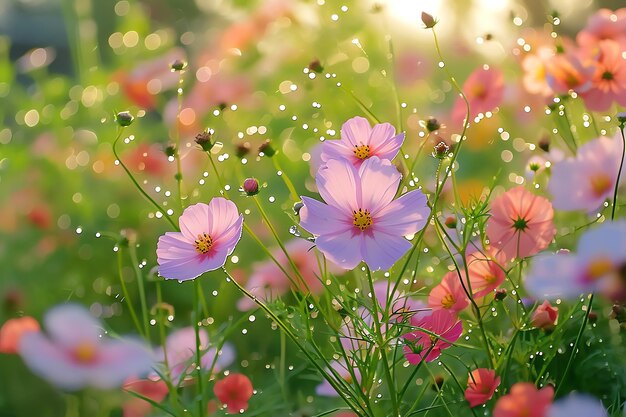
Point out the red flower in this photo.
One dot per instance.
(481, 384)
(524, 400)
(234, 391)
(545, 316)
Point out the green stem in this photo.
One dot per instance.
(140, 285)
(179, 173)
(619, 173)
(196, 326)
(292, 190)
(131, 308)
(136, 184)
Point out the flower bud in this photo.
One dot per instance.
(316, 66)
(618, 312)
(437, 383)
(204, 140)
(450, 222)
(432, 124)
(440, 151)
(267, 149)
(621, 118)
(500, 294)
(545, 316)
(250, 186)
(242, 149)
(170, 151)
(428, 20)
(544, 144)
(124, 118)
(178, 65)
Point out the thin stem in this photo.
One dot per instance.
(619, 173)
(381, 344)
(196, 326)
(131, 308)
(140, 285)
(292, 190)
(179, 173)
(136, 184)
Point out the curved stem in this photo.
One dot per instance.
(140, 285)
(196, 326)
(131, 308)
(619, 173)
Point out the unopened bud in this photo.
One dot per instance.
(242, 149)
(170, 151)
(621, 118)
(250, 186)
(432, 124)
(316, 66)
(124, 118)
(437, 383)
(204, 140)
(428, 20)
(441, 150)
(533, 166)
(618, 313)
(267, 149)
(178, 65)
(544, 144)
(450, 222)
(500, 294)
(593, 317)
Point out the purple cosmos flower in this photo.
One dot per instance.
(361, 220)
(585, 182)
(208, 234)
(577, 405)
(359, 141)
(598, 265)
(73, 354)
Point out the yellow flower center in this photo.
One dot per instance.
(599, 268)
(85, 352)
(362, 151)
(489, 279)
(203, 243)
(362, 219)
(447, 301)
(600, 184)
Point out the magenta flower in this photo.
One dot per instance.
(421, 346)
(359, 141)
(361, 221)
(74, 354)
(608, 83)
(208, 235)
(585, 182)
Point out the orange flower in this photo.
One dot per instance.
(234, 391)
(545, 316)
(524, 400)
(13, 330)
(481, 384)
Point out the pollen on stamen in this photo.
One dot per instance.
(204, 243)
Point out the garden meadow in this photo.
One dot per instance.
(313, 208)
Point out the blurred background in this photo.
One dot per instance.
(257, 70)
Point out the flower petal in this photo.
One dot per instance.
(343, 248)
(403, 216)
(71, 324)
(339, 185)
(356, 131)
(379, 183)
(381, 250)
(222, 214)
(319, 218)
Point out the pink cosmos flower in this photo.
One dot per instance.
(181, 354)
(359, 141)
(268, 281)
(485, 274)
(535, 72)
(448, 294)
(481, 385)
(586, 181)
(597, 266)
(567, 72)
(421, 346)
(12, 331)
(577, 405)
(545, 316)
(327, 390)
(74, 354)
(604, 24)
(208, 235)
(484, 89)
(524, 400)
(608, 83)
(234, 391)
(520, 224)
(361, 220)
(137, 407)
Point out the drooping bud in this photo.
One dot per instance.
(428, 20)
(170, 151)
(544, 144)
(178, 65)
(124, 118)
(267, 149)
(440, 151)
(618, 313)
(250, 186)
(204, 140)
